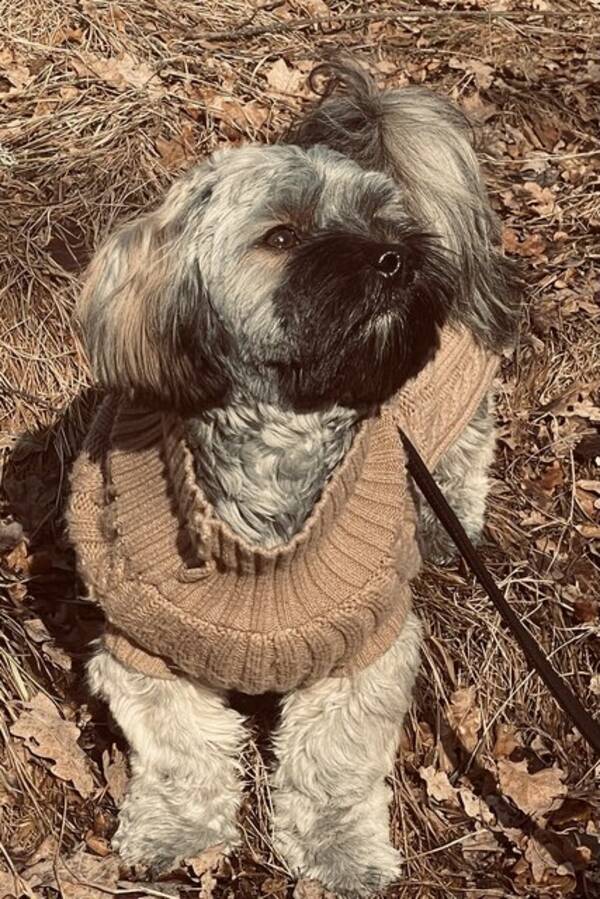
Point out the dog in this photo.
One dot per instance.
(275, 301)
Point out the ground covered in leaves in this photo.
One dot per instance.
(101, 105)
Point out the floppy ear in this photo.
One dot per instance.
(144, 311)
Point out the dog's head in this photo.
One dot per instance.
(291, 273)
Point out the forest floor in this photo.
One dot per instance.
(102, 104)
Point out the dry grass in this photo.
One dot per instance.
(101, 105)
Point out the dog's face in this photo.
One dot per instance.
(292, 274)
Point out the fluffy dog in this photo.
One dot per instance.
(277, 297)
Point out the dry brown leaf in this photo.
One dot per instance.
(483, 74)
(477, 109)
(18, 559)
(49, 736)
(255, 114)
(540, 859)
(510, 240)
(591, 486)
(535, 794)
(38, 632)
(239, 115)
(533, 246)
(481, 840)
(177, 151)
(481, 71)
(464, 716)
(311, 889)
(98, 845)
(82, 876)
(13, 887)
(14, 71)
(438, 785)
(209, 860)
(316, 7)
(114, 767)
(551, 478)
(283, 79)
(545, 201)
(586, 608)
(475, 806)
(122, 72)
(589, 531)
(506, 741)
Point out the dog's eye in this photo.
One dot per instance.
(282, 238)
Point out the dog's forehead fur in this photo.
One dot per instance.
(257, 187)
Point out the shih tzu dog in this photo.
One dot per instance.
(273, 304)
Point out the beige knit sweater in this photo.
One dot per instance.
(182, 592)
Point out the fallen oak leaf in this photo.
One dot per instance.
(481, 71)
(236, 114)
(283, 79)
(535, 794)
(122, 72)
(49, 736)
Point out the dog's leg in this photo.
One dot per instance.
(335, 746)
(185, 787)
(462, 476)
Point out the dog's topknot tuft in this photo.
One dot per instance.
(350, 116)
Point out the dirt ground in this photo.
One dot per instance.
(101, 105)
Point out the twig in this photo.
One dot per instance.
(338, 23)
(30, 398)
(542, 156)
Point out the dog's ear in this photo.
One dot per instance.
(144, 312)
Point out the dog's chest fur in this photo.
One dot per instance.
(263, 468)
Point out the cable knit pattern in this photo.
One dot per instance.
(181, 591)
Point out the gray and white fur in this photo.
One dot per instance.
(277, 296)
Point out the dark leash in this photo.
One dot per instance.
(587, 726)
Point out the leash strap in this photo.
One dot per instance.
(587, 726)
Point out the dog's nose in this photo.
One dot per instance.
(389, 263)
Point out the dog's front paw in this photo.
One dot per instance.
(346, 850)
(152, 834)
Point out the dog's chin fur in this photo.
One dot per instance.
(274, 358)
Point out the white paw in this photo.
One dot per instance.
(346, 850)
(152, 834)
